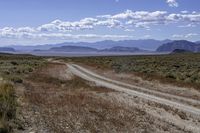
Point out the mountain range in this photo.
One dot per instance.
(148, 44)
(179, 44)
(123, 49)
(89, 49)
(7, 49)
(132, 46)
(73, 49)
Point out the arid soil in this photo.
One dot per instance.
(133, 79)
(52, 99)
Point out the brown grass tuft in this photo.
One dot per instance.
(7, 106)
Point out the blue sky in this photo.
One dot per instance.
(30, 22)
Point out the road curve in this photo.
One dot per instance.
(119, 86)
(141, 89)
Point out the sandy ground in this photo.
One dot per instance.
(102, 81)
(152, 85)
(54, 100)
(188, 96)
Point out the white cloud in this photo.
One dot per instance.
(141, 18)
(64, 26)
(86, 23)
(129, 30)
(125, 21)
(111, 23)
(184, 11)
(147, 36)
(189, 35)
(187, 25)
(104, 16)
(83, 36)
(172, 3)
(9, 33)
(140, 15)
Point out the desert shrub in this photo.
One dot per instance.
(7, 106)
(181, 68)
(6, 72)
(16, 80)
(30, 69)
(15, 67)
(14, 63)
(171, 76)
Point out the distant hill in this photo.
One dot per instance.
(179, 44)
(123, 49)
(147, 44)
(7, 49)
(197, 42)
(73, 49)
(180, 51)
(89, 49)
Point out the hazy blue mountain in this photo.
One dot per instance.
(32, 48)
(179, 44)
(148, 44)
(73, 49)
(180, 51)
(7, 49)
(197, 42)
(116, 49)
(123, 49)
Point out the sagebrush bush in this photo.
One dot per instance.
(7, 106)
(181, 68)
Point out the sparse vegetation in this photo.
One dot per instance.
(75, 105)
(180, 69)
(7, 107)
(57, 101)
(13, 69)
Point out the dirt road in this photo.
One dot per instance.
(148, 95)
(54, 99)
(119, 86)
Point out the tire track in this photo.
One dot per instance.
(119, 86)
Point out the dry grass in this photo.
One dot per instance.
(13, 68)
(179, 69)
(8, 106)
(74, 105)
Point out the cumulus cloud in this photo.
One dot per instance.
(184, 11)
(22, 32)
(189, 35)
(147, 36)
(111, 23)
(82, 36)
(10, 33)
(144, 18)
(172, 3)
(86, 23)
(191, 25)
(126, 21)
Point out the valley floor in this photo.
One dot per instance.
(55, 99)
